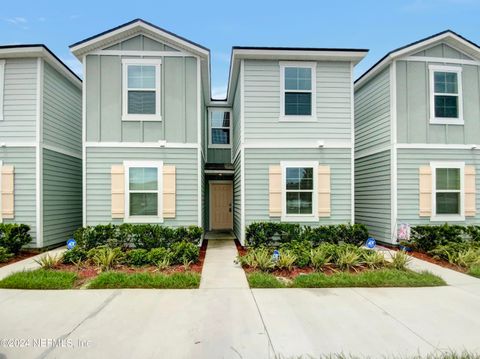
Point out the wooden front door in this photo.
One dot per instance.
(221, 205)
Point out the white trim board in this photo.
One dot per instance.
(84, 148)
(298, 144)
(352, 151)
(39, 157)
(2, 83)
(144, 54)
(159, 144)
(1, 206)
(199, 147)
(62, 151)
(393, 152)
(441, 60)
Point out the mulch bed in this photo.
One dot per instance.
(19, 257)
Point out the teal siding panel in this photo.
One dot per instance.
(111, 98)
(19, 101)
(23, 161)
(237, 226)
(409, 161)
(219, 155)
(262, 103)
(140, 43)
(62, 111)
(100, 160)
(257, 162)
(92, 110)
(443, 50)
(236, 113)
(62, 196)
(413, 105)
(373, 194)
(372, 113)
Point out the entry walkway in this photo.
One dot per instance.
(219, 268)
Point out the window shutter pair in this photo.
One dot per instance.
(118, 191)
(275, 191)
(8, 192)
(426, 191)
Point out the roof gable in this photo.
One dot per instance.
(133, 29)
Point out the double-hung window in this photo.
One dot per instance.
(446, 95)
(143, 190)
(299, 190)
(448, 194)
(220, 128)
(141, 89)
(298, 91)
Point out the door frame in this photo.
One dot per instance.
(210, 200)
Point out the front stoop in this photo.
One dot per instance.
(219, 270)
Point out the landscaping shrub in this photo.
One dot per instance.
(320, 257)
(14, 236)
(74, 256)
(427, 238)
(400, 261)
(301, 250)
(106, 258)
(142, 236)
(184, 252)
(260, 234)
(159, 255)
(49, 261)
(286, 260)
(137, 257)
(4, 255)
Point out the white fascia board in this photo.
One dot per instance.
(132, 29)
(298, 55)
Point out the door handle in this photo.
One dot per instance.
(230, 207)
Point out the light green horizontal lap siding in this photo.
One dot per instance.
(237, 199)
(23, 161)
(62, 196)
(140, 43)
(373, 194)
(443, 50)
(372, 113)
(236, 113)
(218, 155)
(413, 105)
(104, 102)
(62, 111)
(19, 101)
(262, 103)
(258, 161)
(100, 160)
(409, 161)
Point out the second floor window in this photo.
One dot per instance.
(446, 99)
(298, 90)
(220, 128)
(141, 89)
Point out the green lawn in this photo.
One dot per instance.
(375, 278)
(475, 271)
(39, 279)
(114, 280)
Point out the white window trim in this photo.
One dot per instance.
(445, 120)
(144, 219)
(139, 117)
(2, 86)
(303, 64)
(299, 217)
(213, 145)
(448, 217)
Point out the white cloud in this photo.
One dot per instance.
(18, 21)
(219, 92)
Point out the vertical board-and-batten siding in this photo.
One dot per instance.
(373, 194)
(98, 181)
(443, 50)
(140, 43)
(409, 161)
(23, 161)
(62, 196)
(413, 105)
(262, 103)
(104, 102)
(19, 101)
(258, 161)
(62, 111)
(372, 113)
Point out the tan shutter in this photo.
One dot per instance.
(275, 191)
(470, 192)
(323, 190)
(8, 192)
(169, 191)
(425, 191)
(118, 191)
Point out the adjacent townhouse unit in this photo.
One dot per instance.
(417, 129)
(40, 143)
(158, 149)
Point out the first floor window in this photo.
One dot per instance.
(448, 191)
(143, 191)
(299, 190)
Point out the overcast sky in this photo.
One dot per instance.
(376, 25)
